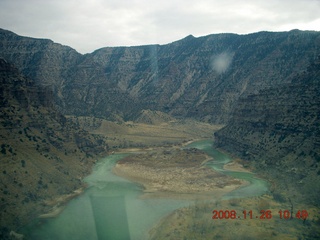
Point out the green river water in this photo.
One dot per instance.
(111, 208)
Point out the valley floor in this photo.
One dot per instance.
(166, 170)
(155, 145)
(177, 173)
(125, 135)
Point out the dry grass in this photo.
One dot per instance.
(195, 222)
(175, 171)
(131, 134)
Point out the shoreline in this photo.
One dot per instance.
(57, 204)
(235, 166)
(203, 191)
(177, 189)
(167, 172)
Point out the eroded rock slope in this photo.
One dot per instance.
(200, 77)
(279, 130)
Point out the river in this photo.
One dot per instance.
(111, 208)
(256, 187)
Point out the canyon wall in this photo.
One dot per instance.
(200, 78)
(42, 154)
(278, 129)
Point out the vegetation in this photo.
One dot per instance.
(195, 222)
(271, 107)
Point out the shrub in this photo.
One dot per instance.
(278, 197)
(263, 205)
(23, 163)
(234, 202)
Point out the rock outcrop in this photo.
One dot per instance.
(42, 155)
(278, 129)
(259, 84)
(201, 77)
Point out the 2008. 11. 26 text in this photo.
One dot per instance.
(264, 214)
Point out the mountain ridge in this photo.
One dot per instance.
(263, 86)
(201, 78)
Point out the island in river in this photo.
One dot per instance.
(188, 173)
(177, 172)
(181, 191)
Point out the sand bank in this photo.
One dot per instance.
(235, 167)
(57, 205)
(176, 173)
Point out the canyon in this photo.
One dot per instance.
(62, 110)
(201, 78)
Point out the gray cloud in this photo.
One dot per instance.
(90, 24)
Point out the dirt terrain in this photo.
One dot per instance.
(130, 134)
(176, 172)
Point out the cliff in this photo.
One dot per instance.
(202, 78)
(264, 86)
(278, 130)
(42, 154)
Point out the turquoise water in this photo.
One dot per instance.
(111, 208)
(257, 186)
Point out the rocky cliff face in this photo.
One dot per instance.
(201, 77)
(279, 130)
(256, 83)
(42, 154)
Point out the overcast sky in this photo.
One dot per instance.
(87, 25)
